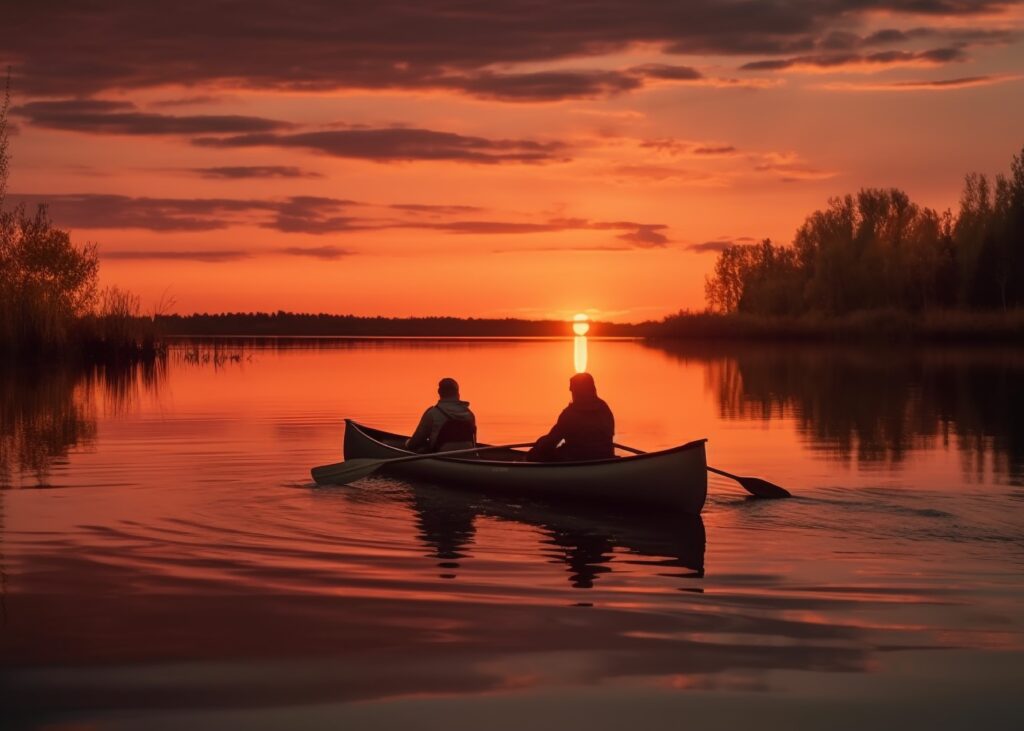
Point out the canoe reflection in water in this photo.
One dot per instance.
(587, 540)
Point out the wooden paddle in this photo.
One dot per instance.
(342, 473)
(754, 485)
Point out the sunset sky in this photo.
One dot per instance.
(514, 157)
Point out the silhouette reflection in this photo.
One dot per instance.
(43, 414)
(446, 528)
(584, 539)
(878, 404)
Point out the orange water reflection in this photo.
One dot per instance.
(183, 536)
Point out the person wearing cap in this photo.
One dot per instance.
(447, 425)
(585, 429)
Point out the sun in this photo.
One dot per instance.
(580, 324)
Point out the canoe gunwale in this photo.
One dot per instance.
(375, 434)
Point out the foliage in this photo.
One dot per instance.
(47, 282)
(49, 300)
(879, 250)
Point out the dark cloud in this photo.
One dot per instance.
(217, 256)
(714, 150)
(202, 255)
(666, 72)
(715, 247)
(317, 252)
(185, 101)
(89, 210)
(400, 144)
(963, 82)
(122, 118)
(501, 227)
(646, 237)
(311, 215)
(583, 248)
(253, 171)
(100, 211)
(836, 60)
(435, 209)
(68, 47)
(548, 85)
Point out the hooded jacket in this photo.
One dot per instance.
(587, 428)
(425, 438)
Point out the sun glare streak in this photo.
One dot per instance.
(579, 353)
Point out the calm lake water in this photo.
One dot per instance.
(165, 561)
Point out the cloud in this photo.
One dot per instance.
(676, 147)
(311, 215)
(714, 150)
(789, 167)
(872, 61)
(317, 252)
(660, 173)
(964, 82)
(185, 101)
(90, 48)
(217, 256)
(200, 255)
(103, 211)
(581, 249)
(666, 72)
(646, 237)
(547, 85)
(435, 209)
(794, 172)
(400, 144)
(253, 171)
(718, 245)
(98, 116)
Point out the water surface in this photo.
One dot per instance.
(164, 559)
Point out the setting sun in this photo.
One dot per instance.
(580, 324)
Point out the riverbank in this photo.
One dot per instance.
(871, 325)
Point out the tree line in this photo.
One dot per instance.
(323, 324)
(878, 250)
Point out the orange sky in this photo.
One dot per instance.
(513, 159)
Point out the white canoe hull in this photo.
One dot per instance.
(673, 478)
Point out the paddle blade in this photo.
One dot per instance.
(762, 488)
(342, 473)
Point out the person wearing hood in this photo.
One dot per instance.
(585, 429)
(447, 425)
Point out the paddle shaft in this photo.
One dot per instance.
(753, 485)
(341, 473)
(453, 453)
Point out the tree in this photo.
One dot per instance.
(46, 282)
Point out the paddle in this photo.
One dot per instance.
(754, 485)
(342, 473)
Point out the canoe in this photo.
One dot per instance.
(673, 478)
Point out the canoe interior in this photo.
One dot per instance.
(397, 443)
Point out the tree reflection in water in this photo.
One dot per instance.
(43, 414)
(877, 404)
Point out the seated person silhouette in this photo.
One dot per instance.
(447, 425)
(584, 430)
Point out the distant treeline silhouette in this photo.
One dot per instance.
(322, 324)
(878, 250)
